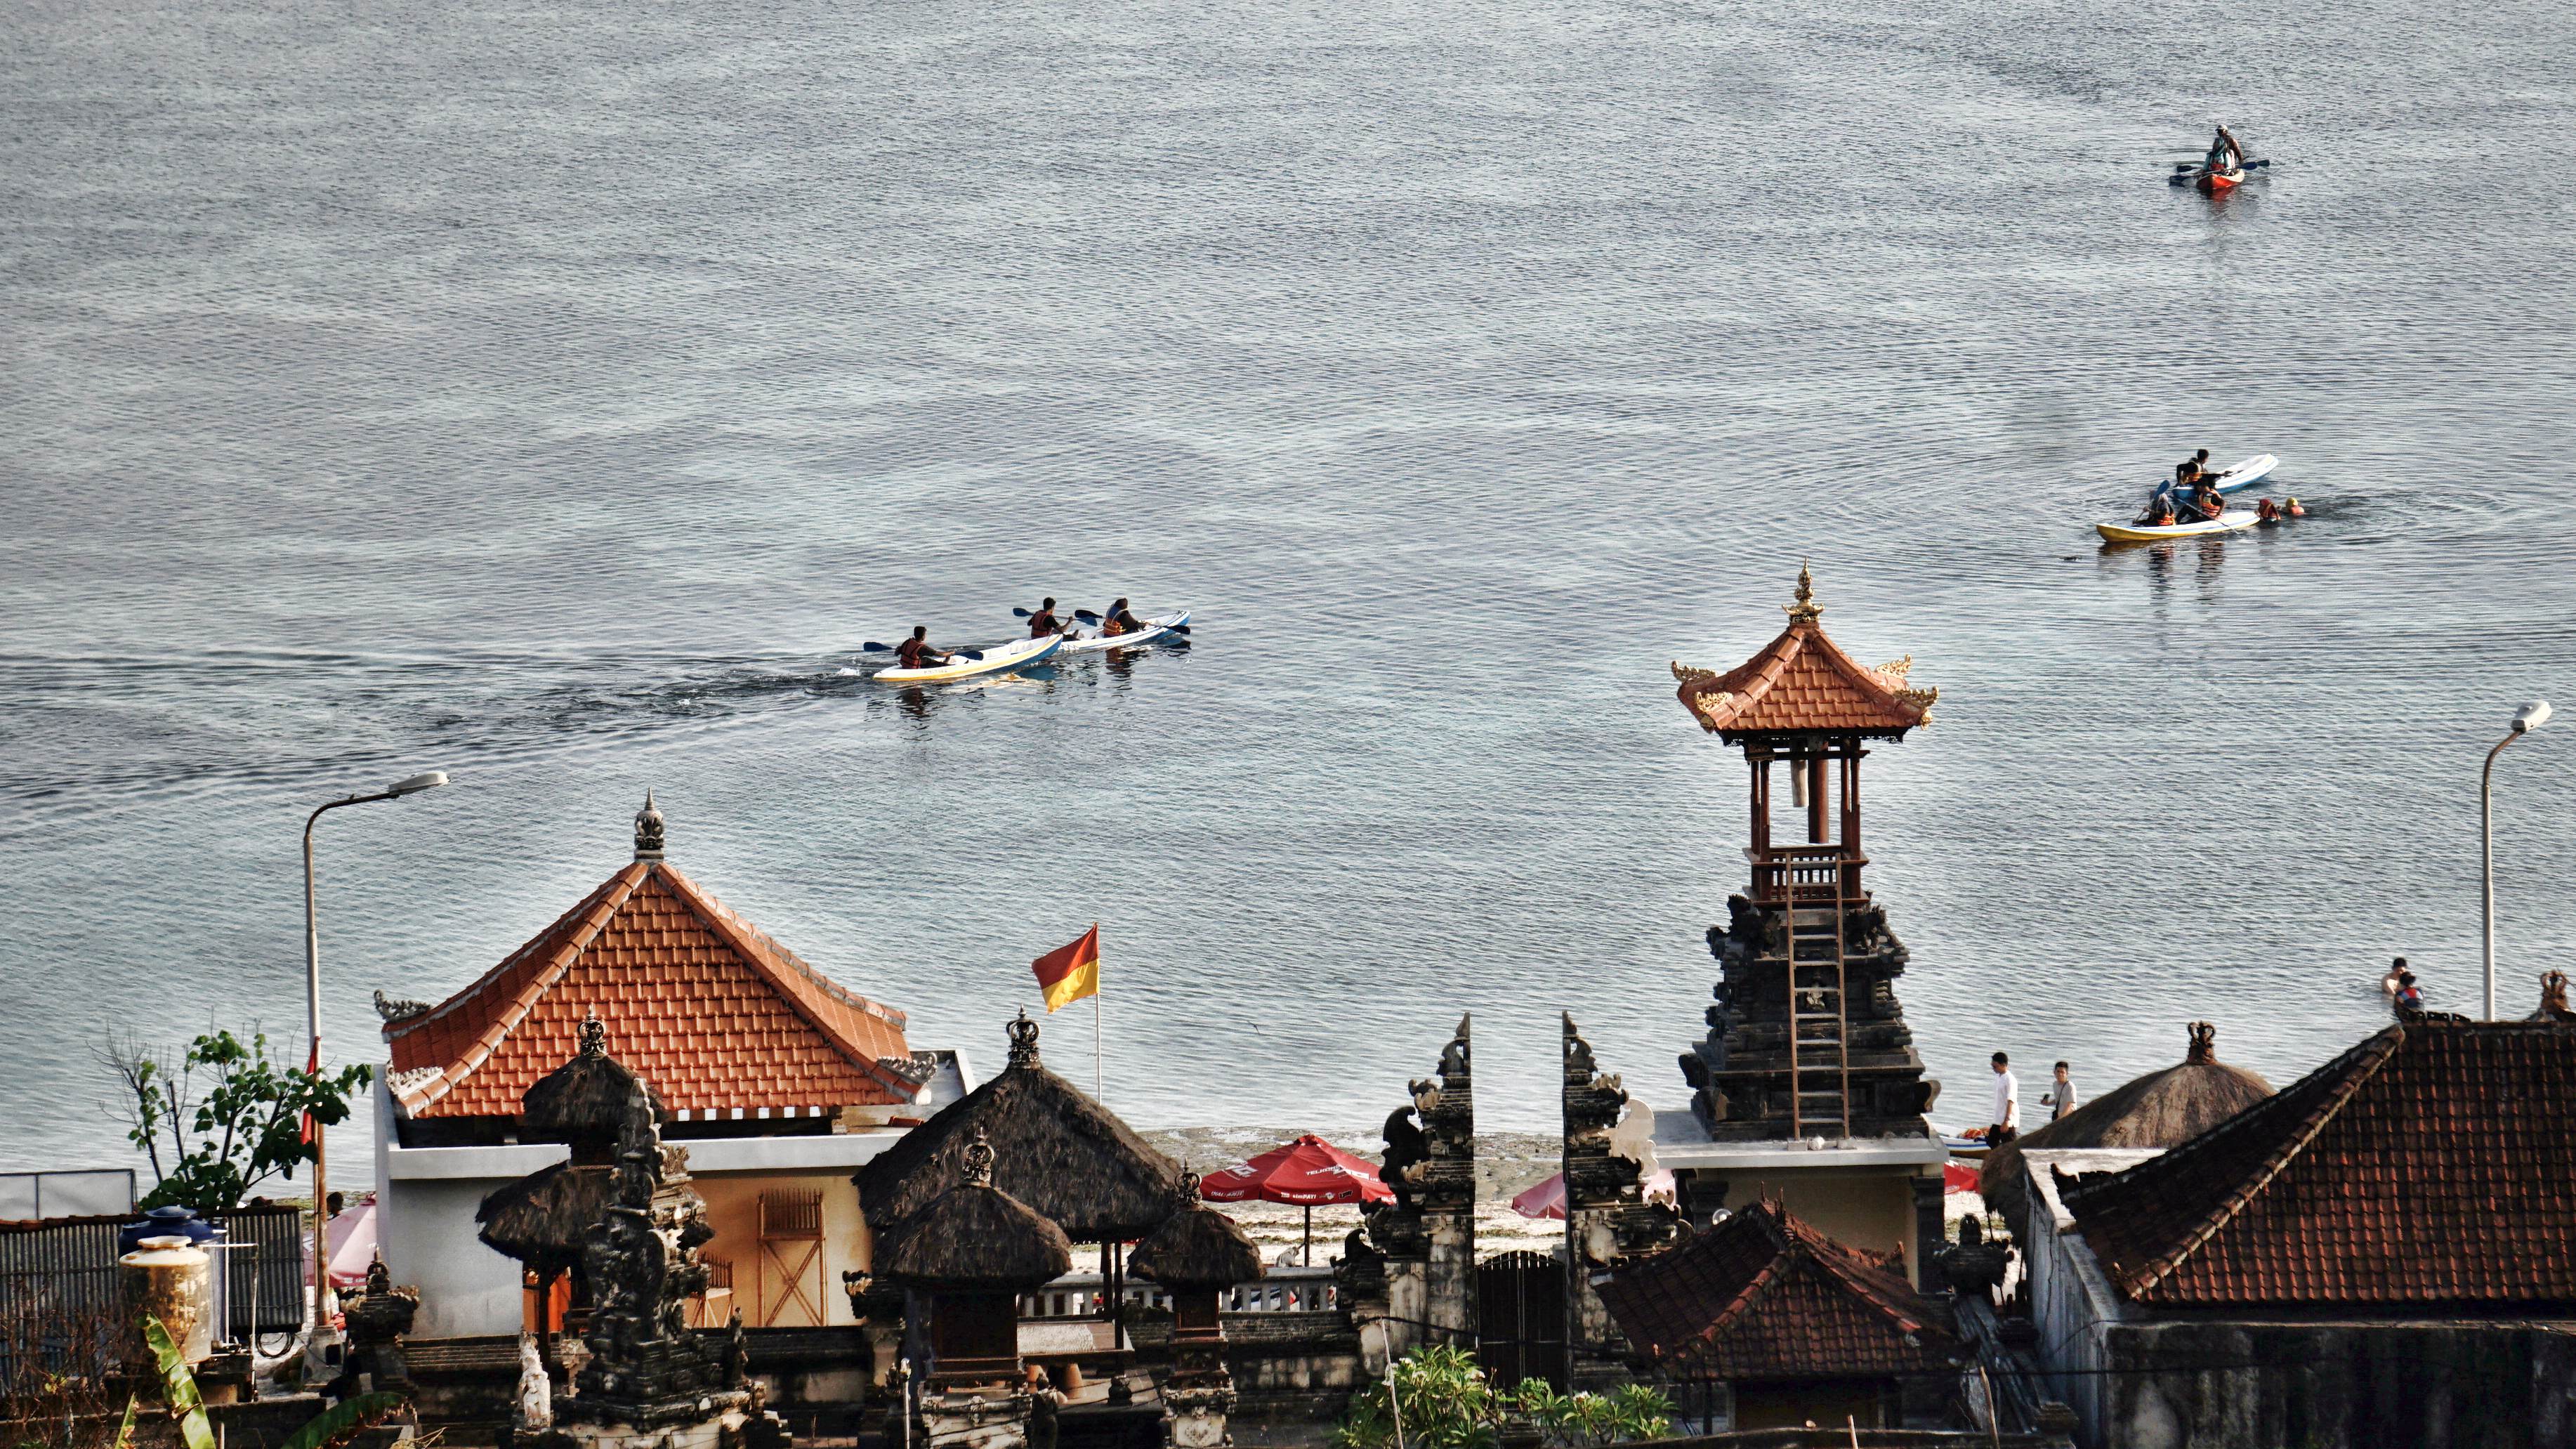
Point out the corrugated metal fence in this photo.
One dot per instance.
(58, 1281)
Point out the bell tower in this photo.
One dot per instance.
(1807, 1039)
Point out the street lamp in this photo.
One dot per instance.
(2526, 719)
(313, 1023)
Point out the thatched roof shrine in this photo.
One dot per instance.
(975, 1236)
(1056, 1150)
(541, 1219)
(1196, 1247)
(2160, 1109)
(588, 1099)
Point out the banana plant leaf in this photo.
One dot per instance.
(345, 1421)
(125, 1430)
(179, 1386)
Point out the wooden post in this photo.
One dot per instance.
(1814, 765)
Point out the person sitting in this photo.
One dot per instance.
(1044, 622)
(2160, 508)
(2409, 1000)
(2198, 463)
(915, 652)
(2206, 499)
(2225, 154)
(1117, 620)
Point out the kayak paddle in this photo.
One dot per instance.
(873, 647)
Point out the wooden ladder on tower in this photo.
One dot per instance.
(1819, 1021)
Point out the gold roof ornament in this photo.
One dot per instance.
(1691, 673)
(1804, 609)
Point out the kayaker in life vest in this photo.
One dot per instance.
(915, 652)
(1044, 622)
(2160, 508)
(1117, 620)
(2194, 466)
(2225, 154)
(2206, 499)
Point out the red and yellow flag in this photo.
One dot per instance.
(1070, 973)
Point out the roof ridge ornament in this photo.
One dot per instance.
(2204, 1044)
(1024, 1041)
(594, 1033)
(979, 1160)
(648, 830)
(1804, 609)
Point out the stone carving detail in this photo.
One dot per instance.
(378, 1318)
(1608, 1158)
(2204, 1044)
(1428, 1235)
(534, 1413)
(396, 1009)
(1739, 1074)
(648, 830)
(1024, 1040)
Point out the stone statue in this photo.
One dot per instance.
(1406, 1148)
(378, 1318)
(536, 1408)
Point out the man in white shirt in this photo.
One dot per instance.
(2007, 1123)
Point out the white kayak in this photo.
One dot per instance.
(2240, 476)
(996, 658)
(2228, 522)
(1154, 629)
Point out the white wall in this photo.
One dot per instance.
(2072, 1301)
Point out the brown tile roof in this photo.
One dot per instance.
(2433, 1164)
(699, 1002)
(1763, 1295)
(1802, 682)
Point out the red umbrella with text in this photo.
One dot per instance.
(1307, 1171)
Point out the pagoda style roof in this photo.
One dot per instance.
(1058, 1151)
(2160, 1109)
(2428, 1168)
(1802, 683)
(1762, 1295)
(1196, 1247)
(542, 1219)
(973, 1235)
(718, 1019)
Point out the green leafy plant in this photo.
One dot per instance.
(1439, 1397)
(228, 1117)
(179, 1386)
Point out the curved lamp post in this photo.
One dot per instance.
(313, 1025)
(2526, 719)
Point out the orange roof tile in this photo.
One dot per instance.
(1803, 683)
(698, 1002)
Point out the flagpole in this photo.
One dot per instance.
(1095, 1042)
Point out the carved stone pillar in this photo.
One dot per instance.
(1427, 1236)
(1608, 1155)
(1930, 1234)
(1448, 1194)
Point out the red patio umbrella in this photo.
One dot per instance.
(1307, 1171)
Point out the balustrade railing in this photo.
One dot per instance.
(1284, 1290)
(1807, 872)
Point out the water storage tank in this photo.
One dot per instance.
(174, 1281)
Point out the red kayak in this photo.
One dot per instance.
(2211, 183)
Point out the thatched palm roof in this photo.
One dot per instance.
(541, 1219)
(1057, 1151)
(587, 1098)
(976, 1236)
(1196, 1247)
(2160, 1109)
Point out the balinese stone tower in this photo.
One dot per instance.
(1609, 1150)
(1807, 1039)
(1428, 1234)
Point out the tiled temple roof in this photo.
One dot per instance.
(1803, 683)
(718, 1017)
(2432, 1165)
(1763, 1295)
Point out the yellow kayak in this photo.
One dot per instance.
(2231, 521)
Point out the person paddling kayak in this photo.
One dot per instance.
(1116, 620)
(2225, 152)
(1044, 622)
(915, 652)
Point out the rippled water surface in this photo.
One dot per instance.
(559, 394)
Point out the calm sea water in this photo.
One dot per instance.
(559, 394)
